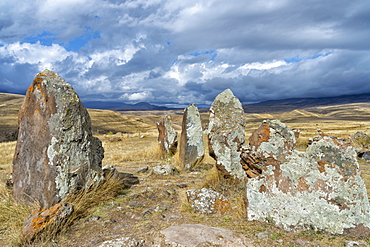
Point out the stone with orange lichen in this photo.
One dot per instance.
(41, 219)
(226, 134)
(167, 136)
(207, 201)
(55, 152)
(321, 188)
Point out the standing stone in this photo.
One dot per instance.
(167, 136)
(321, 188)
(191, 141)
(56, 152)
(226, 134)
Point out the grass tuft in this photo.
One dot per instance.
(12, 217)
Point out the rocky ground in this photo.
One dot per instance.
(146, 209)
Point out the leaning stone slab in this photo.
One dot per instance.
(321, 188)
(193, 235)
(55, 152)
(167, 137)
(207, 201)
(226, 134)
(191, 141)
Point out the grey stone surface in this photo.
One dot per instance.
(226, 134)
(355, 244)
(167, 136)
(164, 170)
(321, 188)
(56, 152)
(207, 201)
(121, 242)
(192, 235)
(191, 141)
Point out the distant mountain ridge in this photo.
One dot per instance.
(300, 103)
(119, 106)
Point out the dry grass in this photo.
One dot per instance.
(12, 218)
(134, 152)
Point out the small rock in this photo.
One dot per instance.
(9, 182)
(147, 212)
(164, 170)
(143, 169)
(262, 235)
(121, 242)
(207, 201)
(355, 244)
(182, 185)
(135, 204)
(301, 242)
(115, 139)
(93, 218)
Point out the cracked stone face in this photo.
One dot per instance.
(167, 137)
(191, 141)
(226, 134)
(55, 152)
(321, 188)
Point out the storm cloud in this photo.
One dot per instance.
(172, 51)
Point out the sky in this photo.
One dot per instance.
(170, 52)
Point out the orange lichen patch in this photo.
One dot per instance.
(302, 185)
(221, 205)
(41, 219)
(262, 188)
(336, 142)
(262, 134)
(321, 185)
(321, 166)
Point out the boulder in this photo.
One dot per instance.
(55, 152)
(207, 201)
(193, 235)
(167, 137)
(41, 219)
(320, 189)
(226, 134)
(191, 141)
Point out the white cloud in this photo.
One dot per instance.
(184, 51)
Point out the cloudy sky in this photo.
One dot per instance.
(177, 51)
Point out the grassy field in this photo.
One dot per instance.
(158, 201)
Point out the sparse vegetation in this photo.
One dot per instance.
(158, 202)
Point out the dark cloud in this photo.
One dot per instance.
(165, 51)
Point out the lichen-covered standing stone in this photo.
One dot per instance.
(226, 134)
(167, 137)
(191, 141)
(320, 188)
(56, 152)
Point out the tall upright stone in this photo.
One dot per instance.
(167, 137)
(226, 134)
(56, 152)
(191, 141)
